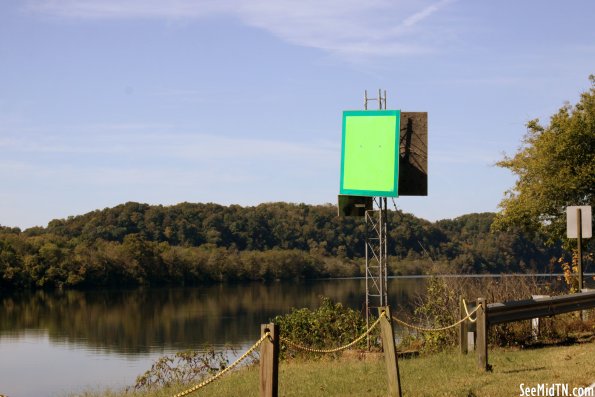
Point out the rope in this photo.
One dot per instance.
(422, 329)
(337, 349)
(235, 363)
(467, 311)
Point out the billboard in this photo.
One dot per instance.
(370, 153)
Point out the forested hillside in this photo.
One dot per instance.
(137, 244)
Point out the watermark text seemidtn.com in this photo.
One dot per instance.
(555, 390)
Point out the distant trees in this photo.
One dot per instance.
(555, 168)
(139, 244)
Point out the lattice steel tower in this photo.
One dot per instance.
(376, 242)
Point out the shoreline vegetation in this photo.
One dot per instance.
(447, 373)
(562, 353)
(136, 244)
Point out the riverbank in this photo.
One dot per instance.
(445, 374)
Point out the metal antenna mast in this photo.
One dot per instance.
(376, 242)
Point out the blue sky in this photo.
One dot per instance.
(108, 101)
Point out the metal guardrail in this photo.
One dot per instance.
(498, 313)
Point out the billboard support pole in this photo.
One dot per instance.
(376, 241)
(376, 257)
(579, 243)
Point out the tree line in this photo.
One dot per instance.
(191, 243)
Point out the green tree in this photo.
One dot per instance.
(555, 167)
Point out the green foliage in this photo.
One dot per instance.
(329, 326)
(555, 169)
(571, 270)
(181, 368)
(475, 248)
(187, 244)
(439, 307)
(438, 310)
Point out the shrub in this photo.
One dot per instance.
(182, 367)
(439, 307)
(329, 326)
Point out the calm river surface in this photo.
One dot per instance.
(60, 343)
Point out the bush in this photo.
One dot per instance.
(182, 367)
(329, 326)
(439, 307)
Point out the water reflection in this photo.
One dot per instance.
(140, 321)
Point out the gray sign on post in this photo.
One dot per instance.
(571, 221)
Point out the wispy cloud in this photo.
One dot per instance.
(132, 140)
(109, 9)
(424, 13)
(344, 27)
(121, 155)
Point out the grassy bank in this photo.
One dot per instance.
(443, 374)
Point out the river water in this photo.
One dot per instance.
(60, 343)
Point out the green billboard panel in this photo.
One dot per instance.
(370, 153)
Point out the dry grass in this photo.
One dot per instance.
(442, 374)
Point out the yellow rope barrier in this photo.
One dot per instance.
(422, 329)
(337, 349)
(214, 377)
(334, 350)
(467, 311)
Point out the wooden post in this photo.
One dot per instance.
(269, 361)
(579, 245)
(390, 353)
(463, 342)
(482, 335)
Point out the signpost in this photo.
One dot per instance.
(579, 226)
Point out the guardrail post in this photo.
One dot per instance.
(463, 342)
(535, 328)
(390, 353)
(269, 361)
(482, 335)
(579, 253)
(587, 314)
